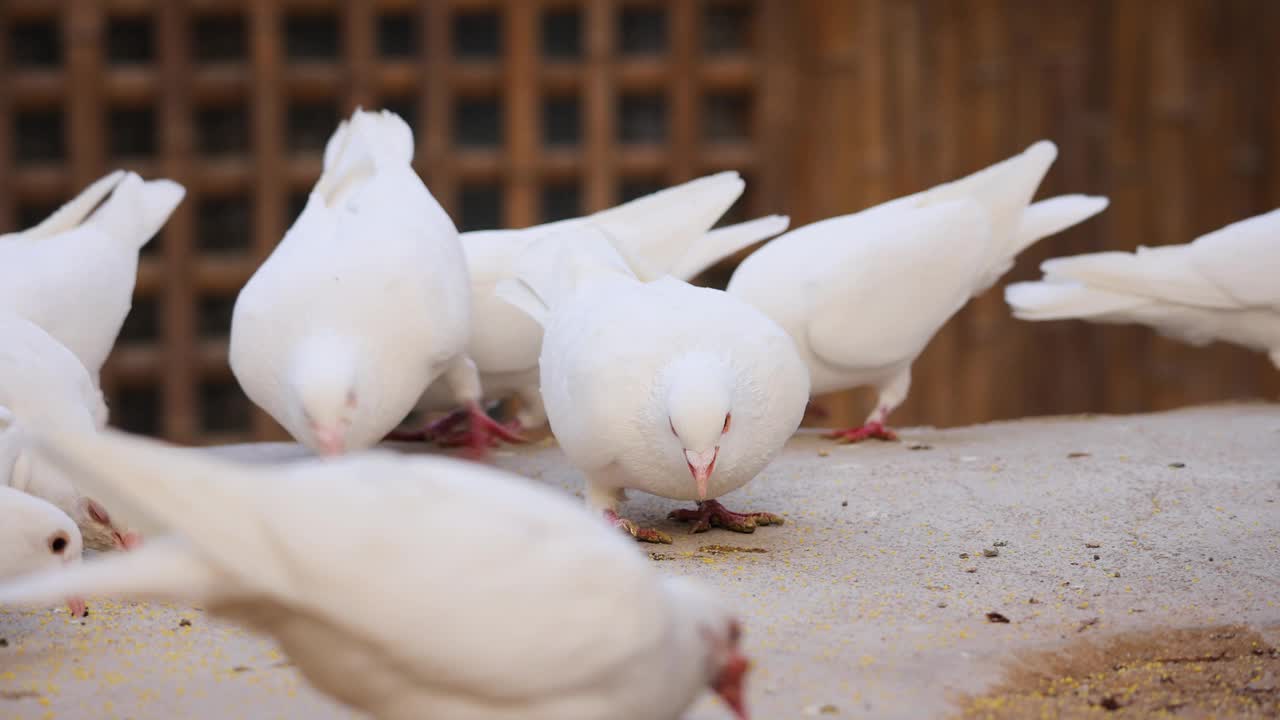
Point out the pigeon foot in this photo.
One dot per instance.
(870, 430)
(649, 535)
(482, 433)
(711, 512)
(430, 431)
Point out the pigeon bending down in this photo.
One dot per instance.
(409, 587)
(863, 294)
(35, 536)
(666, 232)
(42, 383)
(1221, 286)
(74, 273)
(364, 302)
(676, 390)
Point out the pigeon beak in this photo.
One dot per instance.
(128, 540)
(702, 464)
(76, 607)
(729, 685)
(330, 441)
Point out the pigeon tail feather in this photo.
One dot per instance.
(721, 243)
(137, 209)
(70, 215)
(1048, 300)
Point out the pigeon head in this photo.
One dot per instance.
(30, 473)
(716, 635)
(699, 397)
(326, 395)
(37, 536)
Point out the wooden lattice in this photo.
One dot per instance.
(524, 112)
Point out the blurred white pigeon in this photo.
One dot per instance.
(676, 390)
(863, 294)
(42, 384)
(667, 232)
(1221, 286)
(35, 536)
(373, 574)
(363, 304)
(74, 273)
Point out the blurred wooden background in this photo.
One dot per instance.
(531, 110)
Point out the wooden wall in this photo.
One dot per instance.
(1170, 107)
(530, 110)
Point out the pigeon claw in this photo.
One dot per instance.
(482, 433)
(431, 431)
(649, 535)
(871, 430)
(711, 513)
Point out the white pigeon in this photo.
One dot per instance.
(36, 536)
(1221, 286)
(42, 383)
(362, 304)
(74, 273)
(377, 578)
(667, 232)
(863, 294)
(676, 390)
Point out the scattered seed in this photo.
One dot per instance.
(1075, 455)
(964, 556)
(827, 709)
(996, 617)
(241, 669)
(661, 556)
(1110, 703)
(942, 604)
(823, 453)
(4, 642)
(184, 623)
(1001, 543)
(971, 569)
(17, 694)
(844, 503)
(1115, 574)
(1093, 545)
(721, 549)
(1086, 624)
(1032, 601)
(990, 552)
(1177, 465)
(919, 446)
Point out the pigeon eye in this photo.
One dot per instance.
(728, 418)
(58, 543)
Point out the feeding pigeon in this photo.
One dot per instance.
(363, 303)
(74, 273)
(374, 574)
(676, 390)
(863, 294)
(666, 232)
(35, 536)
(1221, 286)
(42, 383)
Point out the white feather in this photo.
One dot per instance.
(1221, 286)
(73, 274)
(373, 574)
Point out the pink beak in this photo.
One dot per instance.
(129, 540)
(77, 607)
(330, 441)
(702, 464)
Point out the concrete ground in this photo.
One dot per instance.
(872, 599)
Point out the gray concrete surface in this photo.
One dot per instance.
(862, 605)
